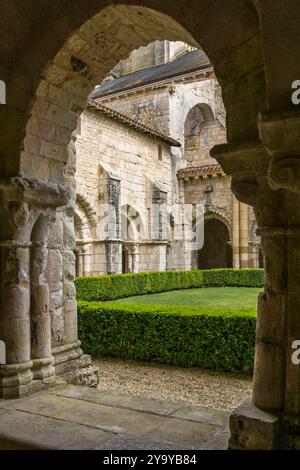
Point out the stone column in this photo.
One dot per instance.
(235, 232)
(267, 176)
(15, 376)
(87, 258)
(113, 250)
(135, 258)
(244, 236)
(251, 426)
(40, 315)
(280, 134)
(24, 314)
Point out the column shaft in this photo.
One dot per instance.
(244, 236)
(235, 232)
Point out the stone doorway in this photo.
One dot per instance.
(216, 252)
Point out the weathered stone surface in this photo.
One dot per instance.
(253, 429)
(202, 415)
(21, 430)
(109, 398)
(81, 418)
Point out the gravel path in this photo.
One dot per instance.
(224, 391)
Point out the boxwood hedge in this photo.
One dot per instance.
(117, 286)
(183, 336)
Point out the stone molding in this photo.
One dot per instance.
(33, 191)
(280, 135)
(246, 162)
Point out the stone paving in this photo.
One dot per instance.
(70, 417)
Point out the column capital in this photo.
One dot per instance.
(246, 162)
(33, 191)
(280, 135)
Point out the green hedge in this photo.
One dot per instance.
(103, 288)
(183, 336)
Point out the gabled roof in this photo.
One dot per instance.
(116, 115)
(187, 63)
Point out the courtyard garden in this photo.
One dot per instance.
(202, 319)
(210, 297)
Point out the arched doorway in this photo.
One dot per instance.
(216, 251)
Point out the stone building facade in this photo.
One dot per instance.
(170, 89)
(123, 171)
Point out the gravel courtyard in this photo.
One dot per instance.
(219, 390)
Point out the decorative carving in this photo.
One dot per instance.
(285, 173)
(245, 188)
(280, 135)
(20, 214)
(221, 213)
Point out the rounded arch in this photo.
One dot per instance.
(202, 130)
(90, 39)
(198, 114)
(222, 216)
(85, 223)
(83, 199)
(133, 226)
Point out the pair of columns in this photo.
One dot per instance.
(25, 323)
(28, 210)
(131, 250)
(266, 175)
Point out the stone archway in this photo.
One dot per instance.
(45, 97)
(199, 130)
(48, 78)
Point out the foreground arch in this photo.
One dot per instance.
(48, 78)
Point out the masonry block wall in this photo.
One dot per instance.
(108, 150)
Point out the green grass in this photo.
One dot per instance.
(209, 297)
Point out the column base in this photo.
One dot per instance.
(254, 429)
(42, 369)
(15, 380)
(74, 367)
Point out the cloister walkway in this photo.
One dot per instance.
(73, 417)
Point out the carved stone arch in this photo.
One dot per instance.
(85, 214)
(85, 224)
(223, 216)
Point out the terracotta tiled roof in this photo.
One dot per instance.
(200, 170)
(112, 113)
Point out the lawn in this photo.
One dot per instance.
(210, 297)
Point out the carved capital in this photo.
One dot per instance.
(246, 162)
(280, 135)
(285, 173)
(20, 214)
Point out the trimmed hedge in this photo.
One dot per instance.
(117, 286)
(183, 336)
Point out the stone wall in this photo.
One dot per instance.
(151, 107)
(107, 152)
